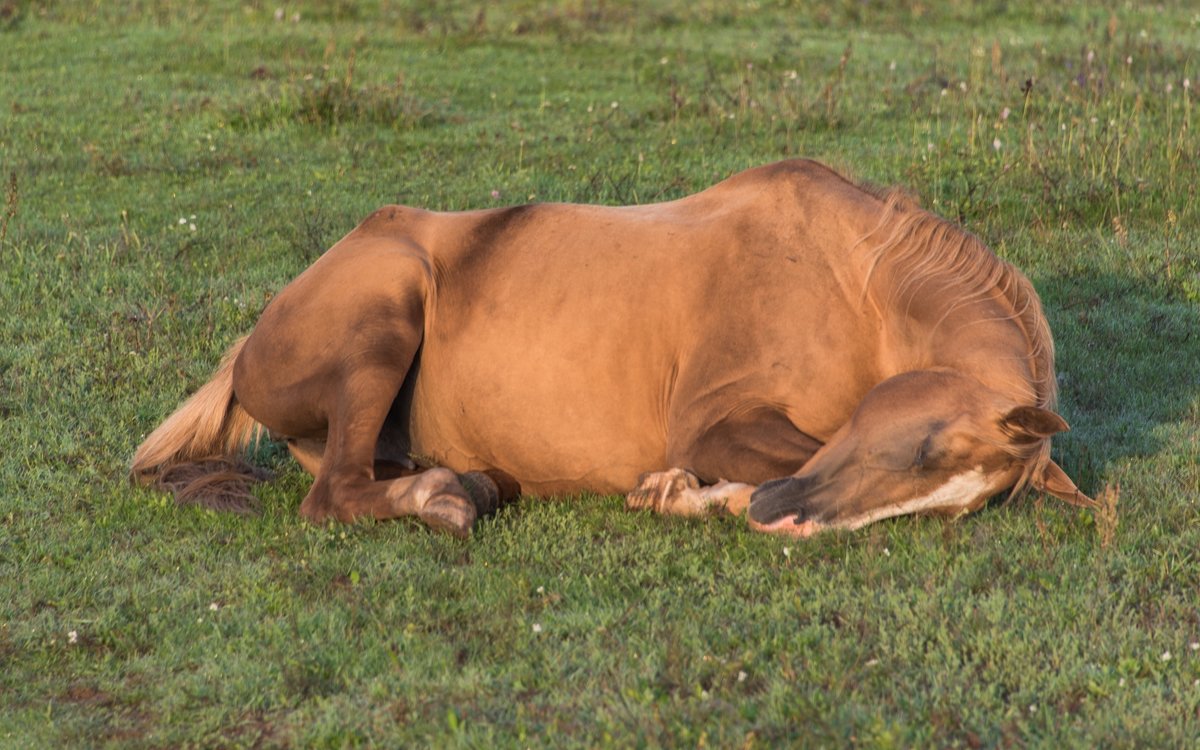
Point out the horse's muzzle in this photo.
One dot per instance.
(780, 498)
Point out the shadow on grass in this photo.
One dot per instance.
(1128, 357)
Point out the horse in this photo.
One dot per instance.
(786, 345)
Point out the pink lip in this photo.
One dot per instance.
(787, 526)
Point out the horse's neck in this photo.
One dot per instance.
(980, 336)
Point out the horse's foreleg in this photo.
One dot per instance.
(752, 445)
(678, 492)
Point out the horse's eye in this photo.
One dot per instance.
(923, 452)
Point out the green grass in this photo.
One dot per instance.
(573, 623)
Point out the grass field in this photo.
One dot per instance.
(166, 166)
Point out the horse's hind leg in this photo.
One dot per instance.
(391, 489)
(308, 453)
(389, 464)
(346, 485)
(324, 369)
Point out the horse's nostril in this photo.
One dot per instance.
(781, 497)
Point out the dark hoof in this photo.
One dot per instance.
(510, 489)
(490, 490)
(451, 514)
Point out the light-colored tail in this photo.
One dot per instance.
(196, 453)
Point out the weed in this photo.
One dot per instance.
(12, 198)
(1106, 514)
(328, 97)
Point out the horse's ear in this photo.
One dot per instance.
(1028, 424)
(1054, 481)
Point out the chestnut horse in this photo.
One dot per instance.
(785, 342)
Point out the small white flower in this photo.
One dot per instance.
(742, 676)
(787, 551)
(541, 589)
(1091, 56)
(892, 65)
(1194, 645)
(663, 61)
(1129, 60)
(1004, 113)
(614, 105)
(279, 14)
(887, 552)
(996, 144)
(1187, 83)
(1033, 708)
(214, 606)
(1121, 682)
(871, 663)
(72, 637)
(191, 227)
(537, 627)
(1166, 656)
(962, 85)
(182, 220)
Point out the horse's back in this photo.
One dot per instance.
(565, 342)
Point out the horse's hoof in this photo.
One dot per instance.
(452, 514)
(510, 488)
(483, 491)
(657, 489)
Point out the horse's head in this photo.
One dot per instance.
(928, 441)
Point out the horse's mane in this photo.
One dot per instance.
(924, 248)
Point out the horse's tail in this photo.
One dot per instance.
(197, 452)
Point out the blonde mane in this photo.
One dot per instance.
(924, 248)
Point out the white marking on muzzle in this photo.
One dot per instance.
(959, 492)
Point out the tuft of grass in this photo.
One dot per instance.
(328, 97)
(12, 198)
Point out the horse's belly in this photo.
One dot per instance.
(555, 429)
